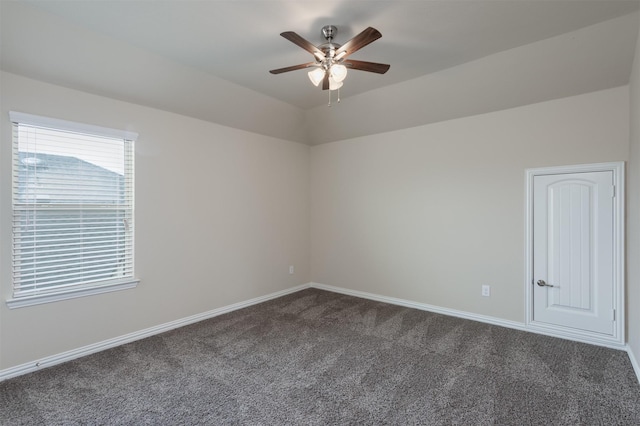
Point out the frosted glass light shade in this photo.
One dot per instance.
(338, 72)
(334, 85)
(316, 76)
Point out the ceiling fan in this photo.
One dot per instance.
(331, 63)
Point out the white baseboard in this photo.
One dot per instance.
(137, 335)
(131, 337)
(634, 362)
(422, 306)
(467, 315)
(475, 317)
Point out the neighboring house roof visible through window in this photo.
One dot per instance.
(44, 170)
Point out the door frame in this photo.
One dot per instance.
(617, 340)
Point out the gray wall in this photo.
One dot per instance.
(220, 214)
(633, 218)
(429, 214)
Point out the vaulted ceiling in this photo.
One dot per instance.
(210, 59)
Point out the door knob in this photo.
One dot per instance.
(542, 283)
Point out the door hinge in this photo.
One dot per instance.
(613, 315)
(613, 191)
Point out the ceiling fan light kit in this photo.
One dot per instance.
(338, 72)
(316, 76)
(330, 65)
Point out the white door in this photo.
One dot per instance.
(573, 251)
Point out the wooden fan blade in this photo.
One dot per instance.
(306, 45)
(358, 42)
(325, 81)
(293, 68)
(366, 66)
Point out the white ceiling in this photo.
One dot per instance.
(239, 40)
(178, 55)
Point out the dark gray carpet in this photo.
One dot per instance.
(316, 357)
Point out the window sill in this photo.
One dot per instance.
(39, 299)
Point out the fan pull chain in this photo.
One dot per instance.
(338, 100)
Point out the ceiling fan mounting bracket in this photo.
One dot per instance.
(329, 32)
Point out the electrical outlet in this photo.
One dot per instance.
(291, 269)
(486, 290)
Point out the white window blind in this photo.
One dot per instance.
(72, 207)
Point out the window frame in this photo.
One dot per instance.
(82, 289)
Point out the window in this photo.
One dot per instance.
(72, 210)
